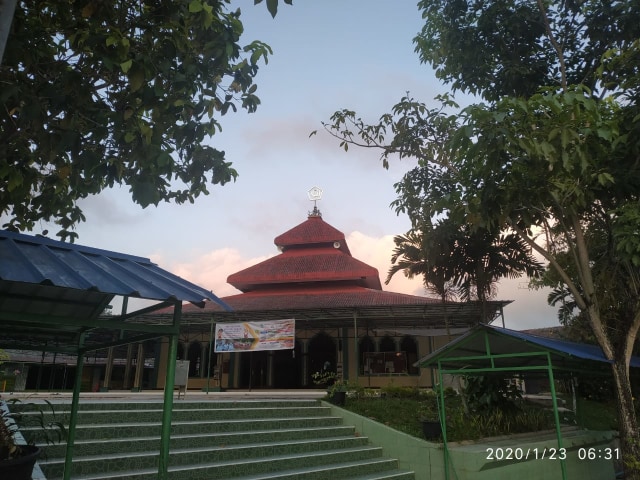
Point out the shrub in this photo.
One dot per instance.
(394, 391)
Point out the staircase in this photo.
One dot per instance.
(244, 439)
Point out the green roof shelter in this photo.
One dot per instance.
(487, 349)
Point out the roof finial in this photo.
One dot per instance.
(314, 195)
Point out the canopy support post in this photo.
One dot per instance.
(356, 351)
(163, 460)
(73, 416)
(443, 421)
(209, 357)
(556, 417)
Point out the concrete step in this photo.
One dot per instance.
(180, 415)
(183, 441)
(127, 430)
(197, 455)
(377, 469)
(242, 440)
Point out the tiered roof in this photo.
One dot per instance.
(315, 278)
(312, 253)
(315, 271)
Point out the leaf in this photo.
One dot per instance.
(128, 112)
(272, 6)
(126, 66)
(136, 80)
(195, 6)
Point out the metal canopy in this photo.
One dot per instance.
(52, 292)
(492, 350)
(418, 317)
(52, 295)
(510, 349)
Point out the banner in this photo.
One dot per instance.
(248, 336)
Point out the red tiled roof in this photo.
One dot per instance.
(301, 298)
(312, 231)
(306, 265)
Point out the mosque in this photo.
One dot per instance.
(344, 321)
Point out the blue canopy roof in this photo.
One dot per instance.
(513, 349)
(52, 293)
(43, 261)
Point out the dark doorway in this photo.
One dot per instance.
(253, 369)
(194, 356)
(322, 355)
(286, 368)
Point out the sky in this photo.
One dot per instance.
(327, 55)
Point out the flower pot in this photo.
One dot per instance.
(431, 429)
(338, 398)
(20, 468)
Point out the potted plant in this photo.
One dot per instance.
(17, 457)
(324, 378)
(336, 387)
(431, 428)
(338, 392)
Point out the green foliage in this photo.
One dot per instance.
(500, 422)
(460, 261)
(396, 391)
(406, 413)
(490, 393)
(595, 389)
(98, 94)
(324, 378)
(505, 47)
(39, 422)
(272, 5)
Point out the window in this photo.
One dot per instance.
(385, 363)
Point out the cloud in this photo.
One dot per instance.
(210, 270)
(376, 251)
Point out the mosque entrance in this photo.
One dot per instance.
(287, 368)
(322, 355)
(253, 369)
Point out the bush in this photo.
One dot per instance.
(393, 391)
(488, 393)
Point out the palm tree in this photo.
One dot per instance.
(459, 261)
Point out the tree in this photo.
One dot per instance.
(552, 156)
(461, 259)
(95, 94)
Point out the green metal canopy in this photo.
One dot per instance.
(488, 349)
(52, 295)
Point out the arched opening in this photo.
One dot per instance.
(366, 348)
(387, 344)
(180, 354)
(410, 347)
(322, 355)
(194, 355)
(210, 361)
